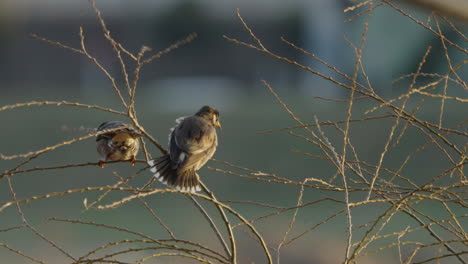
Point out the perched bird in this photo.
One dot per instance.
(192, 142)
(118, 144)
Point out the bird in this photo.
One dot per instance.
(121, 143)
(192, 142)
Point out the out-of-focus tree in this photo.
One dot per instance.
(452, 8)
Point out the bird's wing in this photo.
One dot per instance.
(113, 125)
(192, 143)
(103, 149)
(194, 135)
(110, 125)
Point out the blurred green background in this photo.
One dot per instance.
(208, 71)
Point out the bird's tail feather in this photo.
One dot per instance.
(187, 181)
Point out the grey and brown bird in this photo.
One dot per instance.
(120, 143)
(192, 142)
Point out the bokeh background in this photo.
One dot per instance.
(211, 71)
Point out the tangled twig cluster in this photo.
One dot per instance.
(359, 183)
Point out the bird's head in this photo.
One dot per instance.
(211, 114)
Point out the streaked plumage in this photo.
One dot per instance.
(118, 144)
(192, 142)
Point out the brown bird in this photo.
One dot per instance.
(192, 142)
(118, 144)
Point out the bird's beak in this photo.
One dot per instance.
(218, 124)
